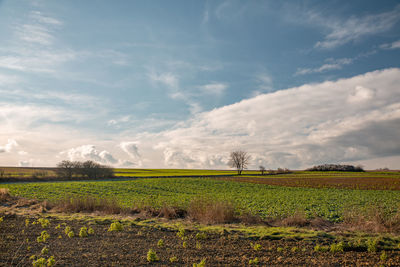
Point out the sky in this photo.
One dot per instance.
(181, 83)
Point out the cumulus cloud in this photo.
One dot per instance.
(296, 127)
(131, 148)
(11, 144)
(89, 152)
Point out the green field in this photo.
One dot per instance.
(265, 200)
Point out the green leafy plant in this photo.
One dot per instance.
(173, 259)
(198, 245)
(27, 222)
(44, 222)
(200, 264)
(91, 231)
(295, 249)
(41, 262)
(338, 247)
(152, 256)
(44, 251)
(279, 249)
(184, 244)
(256, 247)
(51, 261)
(372, 245)
(160, 243)
(253, 261)
(43, 237)
(115, 226)
(58, 226)
(319, 248)
(181, 233)
(71, 234)
(83, 232)
(67, 230)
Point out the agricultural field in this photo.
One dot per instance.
(298, 218)
(260, 199)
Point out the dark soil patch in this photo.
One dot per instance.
(363, 183)
(129, 247)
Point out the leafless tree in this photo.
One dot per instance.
(239, 160)
(2, 172)
(262, 169)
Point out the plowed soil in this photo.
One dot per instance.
(363, 183)
(130, 246)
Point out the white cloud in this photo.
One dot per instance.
(37, 15)
(167, 79)
(297, 127)
(331, 64)
(354, 28)
(11, 144)
(89, 152)
(214, 88)
(394, 45)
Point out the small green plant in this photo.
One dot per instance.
(279, 249)
(43, 237)
(115, 226)
(295, 249)
(256, 247)
(372, 245)
(83, 232)
(28, 248)
(201, 236)
(71, 234)
(181, 233)
(338, 247)
(319, 248)
(160, 243)
(51, 261)
(200, 264)
(58, 226)
(91, 231)
(44, 222)
(44, 251)
(173, 259)
(67, 230)
(184, 244)
(41, 262)
(59, 237)
(1, 219)
(152, 256)
(383, 256)
(27, 222)
(253, 261)
(198, 245)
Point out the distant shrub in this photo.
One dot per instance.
(89, 169)
(336, 167)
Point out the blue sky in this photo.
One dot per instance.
(182, 83)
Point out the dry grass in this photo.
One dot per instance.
(4, 194)
(208, 211)
(298, 219)
(374, 220)
(89, 204)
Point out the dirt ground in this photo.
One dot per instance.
(364, 183)
(18, 242)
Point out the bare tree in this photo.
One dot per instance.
(239, 160)
(262, 169)
(2, 172)
(65, 169)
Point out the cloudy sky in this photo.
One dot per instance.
(180, 84)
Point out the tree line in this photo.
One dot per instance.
(86, 169)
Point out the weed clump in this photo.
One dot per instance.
(83, 232)
(91, 231)
(200, 264)
(173, 259)
(338, 247)
(152, 256)
(71, 234)
(319, 248)
(253, 261)
(115, 226)
(160, 243)
(43, 237)
(44, 251)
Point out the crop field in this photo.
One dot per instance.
(264, 200)
(347, 180)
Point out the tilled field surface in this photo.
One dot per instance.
(129, 247)
(364, 183)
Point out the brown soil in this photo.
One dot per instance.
(129, 248)
(364, 183)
